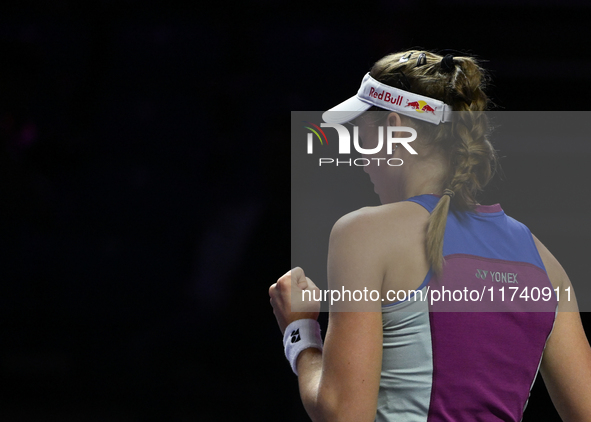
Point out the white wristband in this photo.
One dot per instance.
(299, 335)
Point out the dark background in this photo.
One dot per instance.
(144, 185)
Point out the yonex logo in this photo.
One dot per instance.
(295, 336)
(497, 276)
(481, 274)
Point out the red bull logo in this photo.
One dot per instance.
(385, 96)
(420, 106)
(427, 107)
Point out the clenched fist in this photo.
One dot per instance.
(288, 292)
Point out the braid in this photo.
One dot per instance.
(472, 156)
(459, 82)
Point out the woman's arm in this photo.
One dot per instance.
(566, 364)
(342, 382)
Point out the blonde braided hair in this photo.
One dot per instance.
(472, 160)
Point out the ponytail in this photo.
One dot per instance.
(459, 82)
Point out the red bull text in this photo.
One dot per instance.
(385, 96)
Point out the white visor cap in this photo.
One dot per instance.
(374, 93)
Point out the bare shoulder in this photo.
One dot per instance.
(558, 278)
(387, 242)
(566, 362)
(368, 221)
(556, 273)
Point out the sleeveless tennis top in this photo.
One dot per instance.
(472, 355)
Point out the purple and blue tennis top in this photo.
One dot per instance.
(478, 364)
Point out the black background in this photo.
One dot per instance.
(144, 185)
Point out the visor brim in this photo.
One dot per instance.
(346, 111)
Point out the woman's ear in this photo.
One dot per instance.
(394, 120)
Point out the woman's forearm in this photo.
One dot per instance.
(309, 366)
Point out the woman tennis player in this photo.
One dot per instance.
(413, 360)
